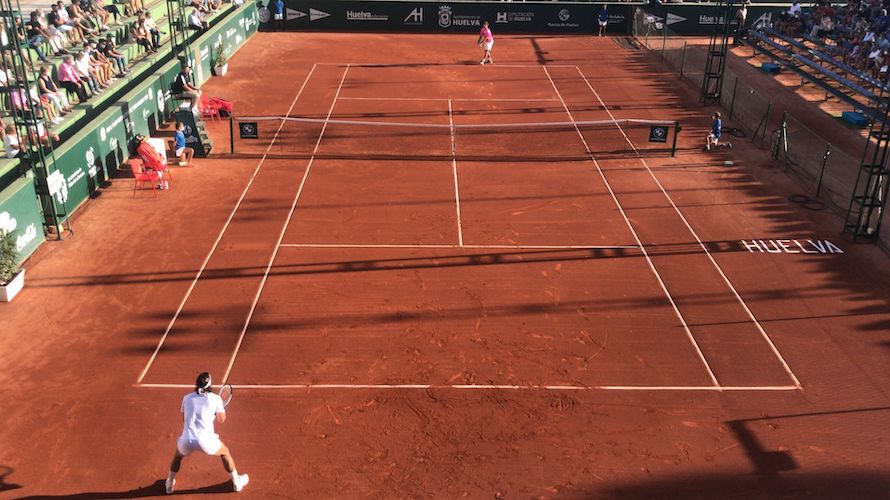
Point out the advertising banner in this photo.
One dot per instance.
(20, 215)
(441, 17)
(504, 17)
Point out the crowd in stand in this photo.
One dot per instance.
(89, 62)
(857, 33)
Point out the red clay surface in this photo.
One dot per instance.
(582, 329)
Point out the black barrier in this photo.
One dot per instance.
(505, 17)
(444, 17)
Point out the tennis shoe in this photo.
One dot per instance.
(169, 484)
(240, 481)
(729, 145)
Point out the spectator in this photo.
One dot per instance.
(133, 7)
(88, 73)
(142, 37)
(103, 47)
(68, 28)
(152, 29)
(183, 88)
(75, 15)
(110, 7)
(50, 91)
(70, 79)
(740, 16)
(11, 142)
(82, 16)
(196, 21)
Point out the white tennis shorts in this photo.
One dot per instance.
(279, 17)
(487, 44)
(209, 444)
(180, 151)
(603, 23)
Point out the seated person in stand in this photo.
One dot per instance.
(70, 79)
(196, 21)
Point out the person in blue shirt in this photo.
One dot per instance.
(278, 13)
(603, 20)
(716, 132)
(184, 153)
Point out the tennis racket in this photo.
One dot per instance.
(225, 392)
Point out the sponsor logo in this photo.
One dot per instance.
(8, 223)
(57, 186)
(112, 144)
(161, 100)
(514, 17)
(363, 15)
(315, 14)
(710, 20)
(91, 162)
(616, 18)
(146, 113)
(102, 134)
(128, 125)
(563, 16)
(791, 246)
(444, 16)
(292, 14)
(674, 19)
(414, 17)
(264, 14)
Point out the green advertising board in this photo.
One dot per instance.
(20, 215)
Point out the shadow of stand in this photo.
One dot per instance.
(155, 489)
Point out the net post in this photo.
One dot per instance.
(232, 134)
(677, 129)
(822, 171)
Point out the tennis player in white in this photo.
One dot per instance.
(199, 410)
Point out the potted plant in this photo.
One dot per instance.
(12, 277)
(220, 60)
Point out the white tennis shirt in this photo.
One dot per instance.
(199, 411)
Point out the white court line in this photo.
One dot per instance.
(290, 215)
(493, 99)
(460, 231)
(219, 237)
(726, 280)
(698, 350)
(472, 247)
(651, 388)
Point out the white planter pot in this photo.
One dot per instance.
(8, 292)
(221, 70)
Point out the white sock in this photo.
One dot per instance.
(234, 474)
(172, 476)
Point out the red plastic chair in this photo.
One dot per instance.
(141, 176)
(207, 109)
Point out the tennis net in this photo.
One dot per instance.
(305, 137)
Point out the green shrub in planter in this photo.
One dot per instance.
(9, 266)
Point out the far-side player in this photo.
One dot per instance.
(716, 131)
(486, 41)
(603, 18)
(199, 409)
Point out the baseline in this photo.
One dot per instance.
(651, 388)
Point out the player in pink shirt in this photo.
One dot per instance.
(486, 41)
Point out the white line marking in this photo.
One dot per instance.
(473, 247)
(678, 388)
(670, 298)
(460, 231)
(726, 280)
(290, 215)
(222, 232)
(493, 99)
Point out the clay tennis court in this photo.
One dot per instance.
(427, 311)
